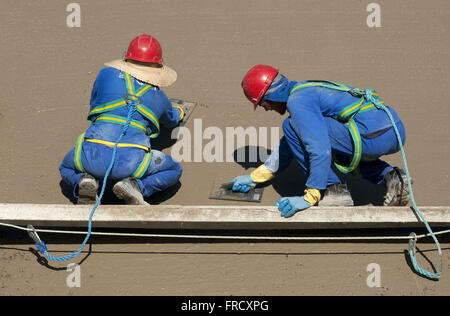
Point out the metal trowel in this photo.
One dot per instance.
(187, 106)
(224, 192)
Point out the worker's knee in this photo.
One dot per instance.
(163, 162)
(67, 161)
(178, 169)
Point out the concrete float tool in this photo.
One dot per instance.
(187, 106)
(224, 192)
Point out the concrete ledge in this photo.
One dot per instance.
(219, 217)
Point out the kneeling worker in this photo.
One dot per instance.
(328, 123)
(138, 171)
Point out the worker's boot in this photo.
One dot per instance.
(337, 195)
(397, 189)
(129, 191)
(87, 189)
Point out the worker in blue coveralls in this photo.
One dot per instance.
(138, 171)
(328, 124)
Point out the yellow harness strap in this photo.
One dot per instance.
(141, 169)
(111, 144)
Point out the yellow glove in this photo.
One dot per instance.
(262, 174)
(181, 111)
(312, 196)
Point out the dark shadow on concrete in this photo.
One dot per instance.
(364, 192)
(14, 237)
(251, 156)
(290, 182)
(67, 191)
(409, 263)
(75, 240)
(165, 195)
(45, 262)
(108, 196)
(164, 140)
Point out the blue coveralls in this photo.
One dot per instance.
(314, 137)
(163, 171)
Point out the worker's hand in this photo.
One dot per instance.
(288, 206)
(243, 184)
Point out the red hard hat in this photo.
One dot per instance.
(145, 48)
(257, 81)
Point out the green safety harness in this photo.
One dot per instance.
(369, 100)
(100, 113)
(346, 115)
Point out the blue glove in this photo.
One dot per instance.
(243, 184)
(288, 206)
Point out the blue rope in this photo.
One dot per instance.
(132, 106)
(368, 95)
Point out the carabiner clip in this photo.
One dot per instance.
(412, 243)
(39, 243)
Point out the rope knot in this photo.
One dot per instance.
(372, 97)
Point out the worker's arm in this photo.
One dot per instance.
(171, 116)
(280, 158)
(309, 125)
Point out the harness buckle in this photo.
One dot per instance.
(132, 99)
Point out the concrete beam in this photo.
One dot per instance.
(219, 217)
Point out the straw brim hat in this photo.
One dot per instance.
(161, 76)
